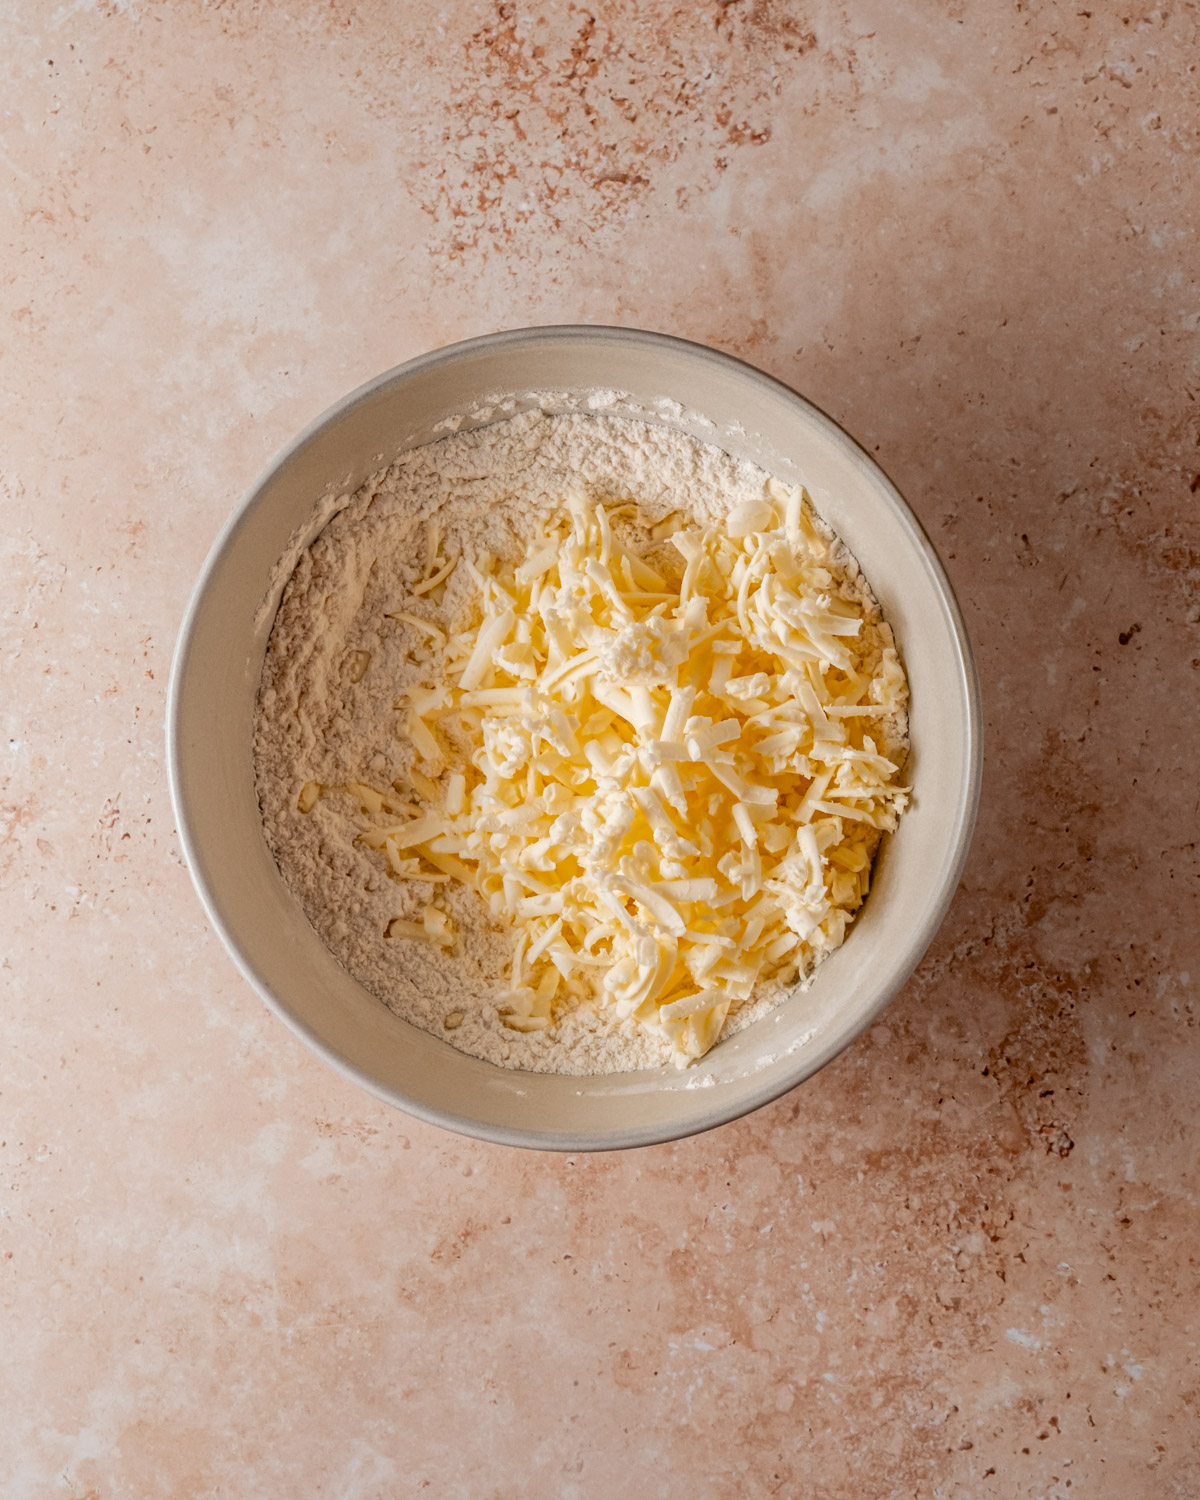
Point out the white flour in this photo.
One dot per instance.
(316, 723)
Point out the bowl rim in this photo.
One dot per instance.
(965, 815)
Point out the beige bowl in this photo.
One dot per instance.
(215, 676)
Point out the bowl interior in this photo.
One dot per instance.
(220, 654)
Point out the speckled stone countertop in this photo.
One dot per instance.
(962, 1261)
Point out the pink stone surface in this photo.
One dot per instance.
(960, 1262)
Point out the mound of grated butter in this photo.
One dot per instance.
(673, 791)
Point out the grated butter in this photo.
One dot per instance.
(675, 793)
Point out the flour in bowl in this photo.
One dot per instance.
(575, 739)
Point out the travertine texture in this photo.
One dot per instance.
(961, 1261)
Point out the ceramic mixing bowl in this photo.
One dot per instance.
(219, 657)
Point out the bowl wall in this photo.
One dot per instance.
(219, 658)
